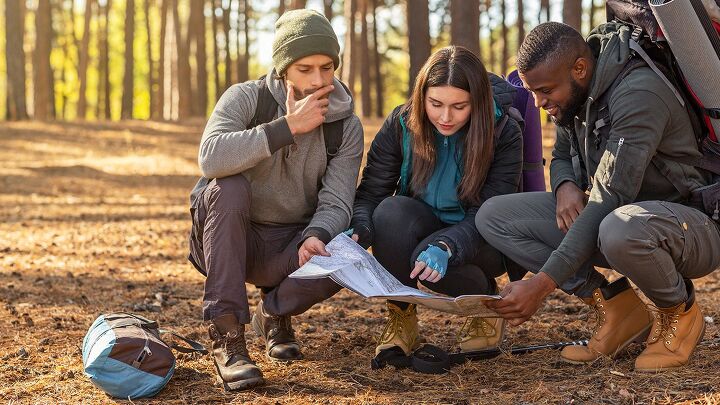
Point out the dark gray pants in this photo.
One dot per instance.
(231, 250)
(656, 244)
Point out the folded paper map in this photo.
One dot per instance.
(354, 268)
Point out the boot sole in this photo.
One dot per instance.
(659, 370)
(613, 355)
(239, 385)
(258, 331)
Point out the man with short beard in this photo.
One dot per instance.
(282, 187)
(618, 200)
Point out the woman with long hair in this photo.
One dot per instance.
(433, 163)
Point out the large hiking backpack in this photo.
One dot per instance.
(265, 112)
(651, 48)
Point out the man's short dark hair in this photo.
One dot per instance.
(549, 40)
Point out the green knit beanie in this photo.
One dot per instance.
(300, 33)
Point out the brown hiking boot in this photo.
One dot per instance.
(621, 318)
(676, 332)
(401, 330)
(279, 336)
(481, 333)
(232, 361)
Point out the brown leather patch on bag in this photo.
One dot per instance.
(141, 348)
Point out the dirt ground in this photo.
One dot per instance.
(94, 218)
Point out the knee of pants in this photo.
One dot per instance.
(616, 234)
(230, 193)
(484, 219)
(396, 213)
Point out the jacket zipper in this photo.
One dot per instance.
(442, 173)
(621, 141)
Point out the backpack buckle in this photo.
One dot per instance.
(636, 34)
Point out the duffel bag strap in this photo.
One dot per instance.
(194, 347)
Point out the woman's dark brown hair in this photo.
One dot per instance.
(458, 67)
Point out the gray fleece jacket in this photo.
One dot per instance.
(646, 124)
(290, 179)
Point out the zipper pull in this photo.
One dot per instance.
(716, 213)
(445, 141)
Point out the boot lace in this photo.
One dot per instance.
(475, 326)
(664, 325)
(599, 313)
(397, 325)
(234, 343)
(281, 327)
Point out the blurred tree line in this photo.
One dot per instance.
(172, 59)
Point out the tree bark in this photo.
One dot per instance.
(216, 50)
(349, 67)
(83, 63)
(151, 67)
(491, 37)
(244, 60)
(296, 4)
(572, 13)
(365, 61)
(328, 9)
(183, 69)
(418, 22)
(126, 111)
(228, 55)
(593, 11)
(520, 23)
(504, 53)
(160, 95)
(196, 34)
(43, 91)
(15, 60)
(465, 24)
(281, 8)
(379, 97)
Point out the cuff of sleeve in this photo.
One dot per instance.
(560, 181)
(452, 248)
(364, 235)
(557, 269)
(278, 134)
(319, 233)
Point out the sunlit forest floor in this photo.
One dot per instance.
(94, 218)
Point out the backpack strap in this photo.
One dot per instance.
(266, 105)
(333, 134)
(194, 347)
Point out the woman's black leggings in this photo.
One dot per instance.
(403, 227)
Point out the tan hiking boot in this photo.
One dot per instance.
(278, 334)
(401, 330)
(621, 318)
(481, 333)
(676, 332)
(229, 351)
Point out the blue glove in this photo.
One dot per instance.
(349, 232)
(435, 258)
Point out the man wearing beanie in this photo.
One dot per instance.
(282, 186)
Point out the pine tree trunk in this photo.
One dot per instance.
(504, 28)
(228, 55)
(491, 39)
(572, 13)
(243, 63)
(151, 67)
(126, 111)
(418, 23)
(15, 60)
(201, 58)
(544, 9)
(349, 67)
(328, 9)
(183, 69)
(83, 62)
(465, 24)
(281, 8)
(593, 11)
(216, 50)
(106, 76)
(520, 23)
(42, 81)
(379, 97)
(366, 84)
(296, 4)
(160, 95)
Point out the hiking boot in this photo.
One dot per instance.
(279, 336)
(232, 361)
(675, 334)
(481, 333)
(401, 329)
(621, 318)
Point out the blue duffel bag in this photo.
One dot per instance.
(124, 355)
